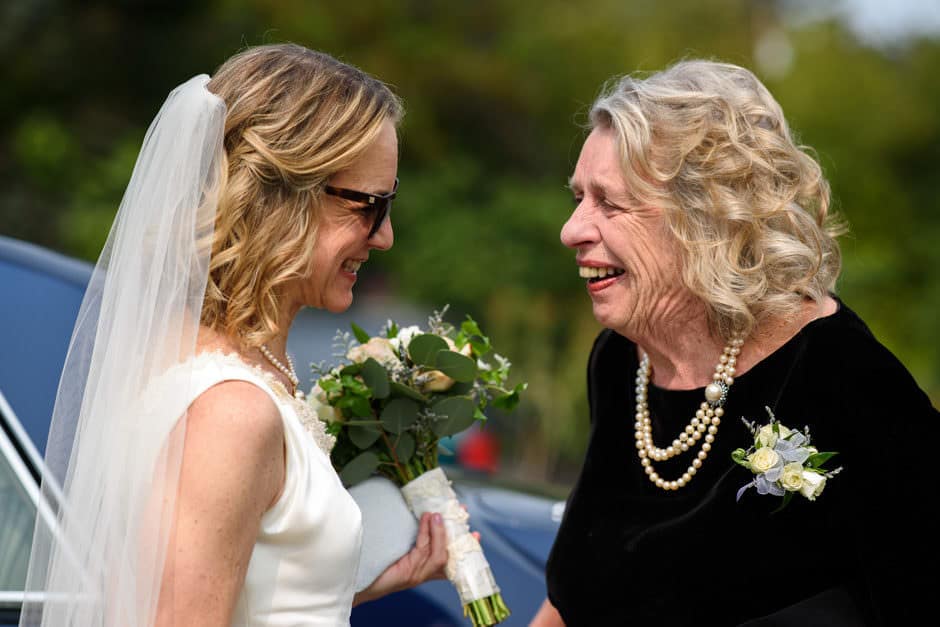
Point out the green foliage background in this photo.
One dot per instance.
(496, 93)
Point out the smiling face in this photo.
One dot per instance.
(624, 249)
(343, 241)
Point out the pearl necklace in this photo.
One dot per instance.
(703, 426)
(288, 370)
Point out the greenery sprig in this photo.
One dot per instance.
(396, 394)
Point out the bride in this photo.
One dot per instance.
(193, 484)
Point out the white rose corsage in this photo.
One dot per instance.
(784, 462)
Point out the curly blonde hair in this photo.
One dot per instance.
(748, 206)
(294, 118)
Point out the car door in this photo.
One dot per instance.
(20, 501)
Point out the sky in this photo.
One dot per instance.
(887, 22)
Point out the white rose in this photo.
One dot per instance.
(436, 381)
(404, 335)
(317, 394)
(813, 484)
(324, 411)
(378, 348)
(328, 413)
(767, 437)
(763, 459)
(792, 477)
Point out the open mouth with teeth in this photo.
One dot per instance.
(596, 275)
(352, 266)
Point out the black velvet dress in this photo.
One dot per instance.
(629, 553)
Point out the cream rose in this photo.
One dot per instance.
(318, 402)
(436, 381)
(378, 348)
(318, 394)
(465, 350)
(813, 484)
(792, 477)
(767, 437)
(763, 459)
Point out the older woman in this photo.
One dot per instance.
(196, 483)
(704, 234)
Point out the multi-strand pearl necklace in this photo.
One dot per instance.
(288, 371)
(703, 426)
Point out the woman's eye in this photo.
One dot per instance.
(577, 200)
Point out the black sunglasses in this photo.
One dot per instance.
(376, 204)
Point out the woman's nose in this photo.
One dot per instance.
(384, 237)
(578, 230)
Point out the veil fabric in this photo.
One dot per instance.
(116, 438)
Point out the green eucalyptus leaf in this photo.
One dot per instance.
(345, 402)
(363, 436)
(480, 347)
(455, 413)
(818, 459)
(423, 349)
(399, 414)
(351, 370)
(360, 406)
(456, 366)
(359, 468)
(470, 327)
(360, 334)
(376, 377)
(405, 448)
(354, 385)
(509, 401)
(329, 385)
(460, 388)
(399, 389)
(470, 334)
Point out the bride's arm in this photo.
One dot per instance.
(232, 472)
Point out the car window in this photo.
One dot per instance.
(17, 518)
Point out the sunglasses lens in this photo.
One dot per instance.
(381, 213)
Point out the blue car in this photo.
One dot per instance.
(40, 293)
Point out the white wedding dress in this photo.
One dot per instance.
(304, 562)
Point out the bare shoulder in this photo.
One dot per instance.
(238, 405)
(232, 472)
(235, 431)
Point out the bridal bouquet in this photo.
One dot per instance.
(391, 400)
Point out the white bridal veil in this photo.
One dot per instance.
(116, 438)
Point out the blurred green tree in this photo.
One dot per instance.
(497, 93)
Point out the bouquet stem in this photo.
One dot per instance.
(488, 611)
(467, 567)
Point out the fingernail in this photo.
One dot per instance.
(437, 519)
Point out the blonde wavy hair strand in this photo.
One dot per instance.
(295, 117)
(748, 206)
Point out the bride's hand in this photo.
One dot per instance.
(423, 562)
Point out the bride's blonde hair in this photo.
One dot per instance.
(294, 118)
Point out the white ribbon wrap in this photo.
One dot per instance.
(467, 567)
